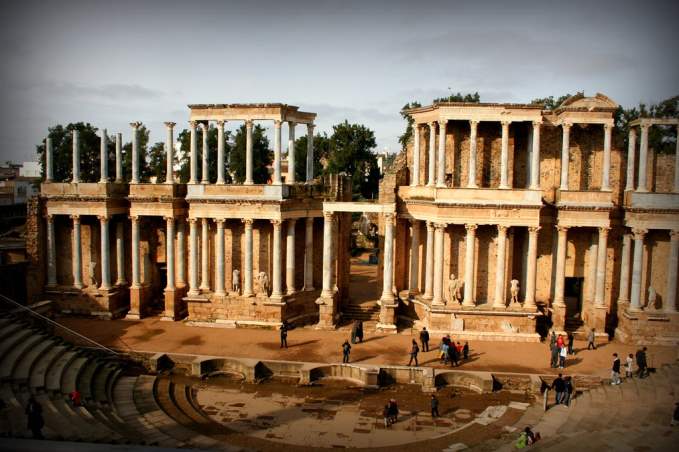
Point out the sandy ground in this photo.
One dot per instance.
(309, 345)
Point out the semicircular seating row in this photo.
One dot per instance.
(120, 404)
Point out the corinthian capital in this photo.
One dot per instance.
(639, 233)
(471, 227)
(170, 125)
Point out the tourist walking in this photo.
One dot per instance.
(642, 364)
(35, 419)
(346, 349)
(552, 339)
(571, 343)
(424, 339)
(453, 355)
(434, 406)
(385, 414)
(563, 353)
(554, 361)
(615, 370)
(284, 334)
(591, 338)
(569, 390)
(465, 351)
(629, 362)
(559, 386)
(414, 350)
(354, 330)
(393, 411)
(359, 331)
(444, 351)
(559, 341)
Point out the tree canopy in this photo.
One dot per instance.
(662, 139)
(261, 155)
(183, 158)
(550, 103)
(352, 152)
(62, 142)
(321, 154)
(459, 97)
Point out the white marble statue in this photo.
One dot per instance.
(263, 281)
(235, 281)
(514, 290)
(454, 288)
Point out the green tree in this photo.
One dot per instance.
(156, 162)
(551, 103)
(661, 139)
(261, 155)
(352, 152)
(184, 157)
(321, 153)
(474, 98)
(62, 143)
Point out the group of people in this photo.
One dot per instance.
(563, 387)
(356, 336)
(453, 352)
(390, 413)
(642, 366)
(560, 349)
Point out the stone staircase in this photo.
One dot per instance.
(367, 312)
(120, 404)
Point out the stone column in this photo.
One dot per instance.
(504, 156)
(676, 164)
(169, 151)
(135, 253)
(635, 295)
(193, 176)
(309, 255)
(500, 260)
(169, 253)
(219, 258)
(204, 256)
(328, 220)
(103, 157)
(181, 244)
(414, 256)
(51, 253)
(439, 233)
(77, 253)
(220, 152)
(623, 296)
(277, 153)
(591, 270)
(247, 278)
(248, 153)
(560, 274)
(291, 153)
(119, 157)
(49, 160)
(120, 254)
(388, 275)
(76, 157)
(606, 170)
(469, 257)
(535, 157)
(290, 257)
(310, 152)
(205, 171)
(105, 254)
(670, 302)
(471, 182)
(276, 280)
(631, 150)
(441, 170)
(193, 257)
(415, 176)
(431, 181)
(429, 264)
(531, 271)
(643, 159)
(565, 155)
(601, 259)
(135, 152)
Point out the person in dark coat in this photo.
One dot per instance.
(434, 406)
(359, 331)
(346, 349)
(424, 339)
(393, 411)
(284, 334)
(554, 361)
(354, 330)
(642, 364)
(559, 386)
(414, 350)
(571, 342)
(465, 351)
(569, 391)
(35, 419)
(453, 355)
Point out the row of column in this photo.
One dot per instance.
(565, 156)
(436, 171)
(105, 258)
(642, 183)
(434, 277)
(634, 296)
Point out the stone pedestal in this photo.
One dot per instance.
(175, 306)
(559, 317)
(388, 317)
(327, 312)
(137, 303)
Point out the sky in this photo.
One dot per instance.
(114, 62)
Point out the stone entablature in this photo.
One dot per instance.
(481, 197)
(456, 111)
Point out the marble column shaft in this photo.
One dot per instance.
(670, 303)
(119, 157)
(248, 153)
(328, 220)
(469, 257)
(291, 153)
(310, 153)
(471, 181)
(441, 169)
(591, 271)
(169, 153)
(415, 176)
(103, 157)
(643, 159)
(205, 256)
(135, 253)
(49, 160)
(531, 271)
(388, 275)
(51, 253)
(290, 257)
(76, 157)
(205, 171)
(606, 170)
(601, 268)
(565, 155)
(247, 279)
(535, 157)
(77, 253)
(309, 255)
(193, 256)
(431, 176)
(439, 233)
(631, 150)
(135, 152)
(105, 253)
(219, 258)
(220, 152)
(623, 296)
(414, 256)
(500, 255)
(169, 253)
(120, 253)
(504, 156)
(429, 263)
(276, 280)
(560, 274)
(636, 296)
(277, 153)
(193, 175)
(181, 246)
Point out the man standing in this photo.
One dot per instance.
(590, 340)
(554, 361)
(642, 365)
(559, 385)
(284, 334)
(571, 342)
(346, 349)
(434, 406)
(414, 350)
(424, 339)
(563, 353)
(615, 370)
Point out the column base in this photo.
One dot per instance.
(137, 303)
(175, 306)
(328, 317)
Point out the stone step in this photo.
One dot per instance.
(100, 382)
(29, 362)
(69, 377)
(13, 356)
(53, 379)
(85, 379)
(38, 377)
(84, 422)
(12, 341)
(10, 329)
(183, 397)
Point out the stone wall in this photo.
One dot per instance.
(36, 271)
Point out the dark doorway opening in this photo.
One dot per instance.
(157, 300)
(573, 297)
